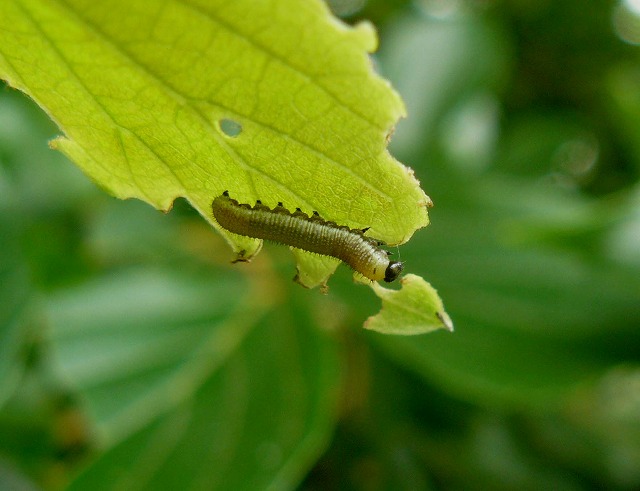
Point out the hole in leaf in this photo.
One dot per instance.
(230, 127)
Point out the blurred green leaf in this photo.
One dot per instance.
(15, 309)
(539, 308)
(137, 343)
(190, 384)
(623, 238)
(434, 62)
(13, 479)
(549, 144)
(621, 84)
(534, 320)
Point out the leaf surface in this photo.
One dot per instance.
(211, 395)
(416, 309)
(270, 100)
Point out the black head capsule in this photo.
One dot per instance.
(393, 271)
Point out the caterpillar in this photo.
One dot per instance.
(309, 233)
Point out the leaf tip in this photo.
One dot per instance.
(446, 320)
(415, 309)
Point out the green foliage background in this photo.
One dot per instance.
(132, 355)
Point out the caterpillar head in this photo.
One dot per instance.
(393, 271)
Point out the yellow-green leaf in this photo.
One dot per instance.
(276, 101)
(416, 309)
(269, 100)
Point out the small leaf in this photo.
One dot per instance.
(415, 309)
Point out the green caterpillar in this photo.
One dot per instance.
(309, 233)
